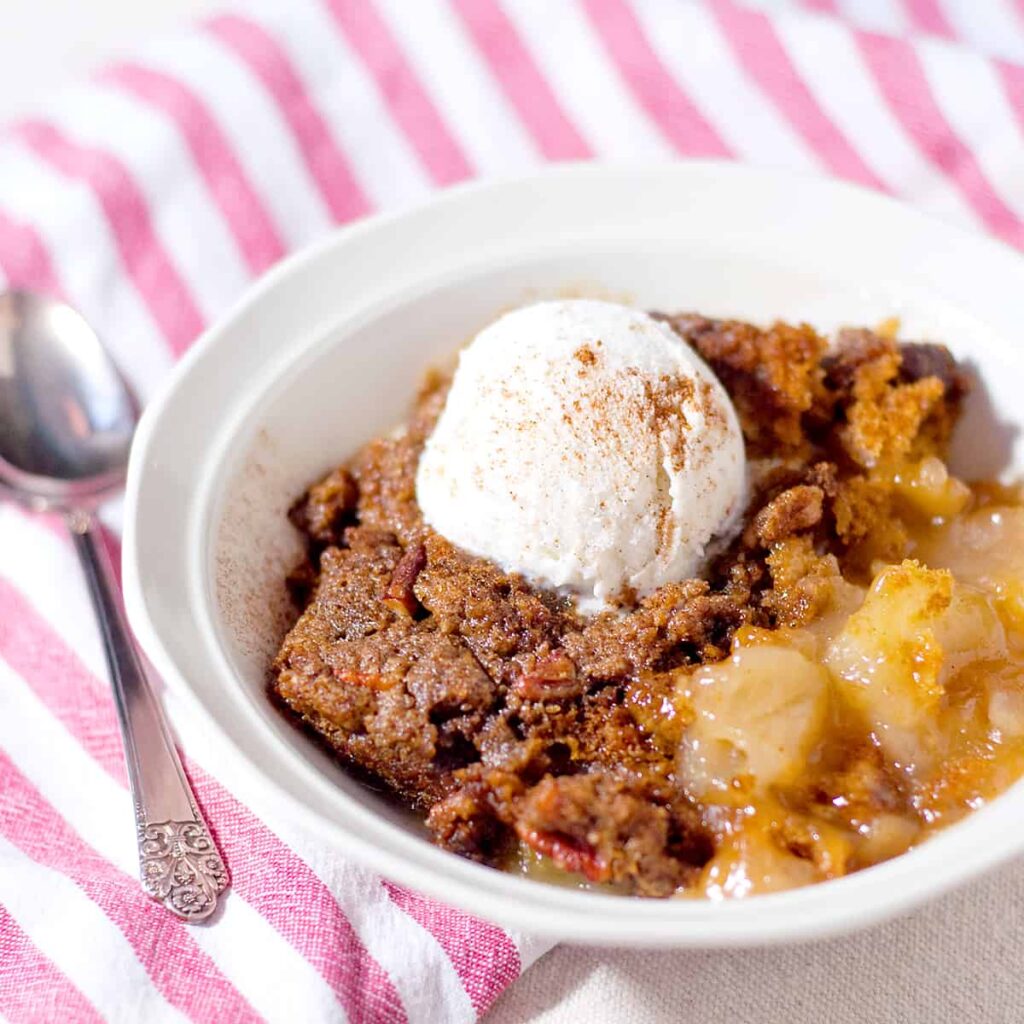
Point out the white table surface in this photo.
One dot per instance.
(955, 961)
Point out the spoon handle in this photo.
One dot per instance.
(178, 861)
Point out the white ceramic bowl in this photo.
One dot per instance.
(326, 351)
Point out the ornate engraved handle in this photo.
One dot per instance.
(181, 867)
(178, 861)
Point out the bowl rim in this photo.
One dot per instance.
(824, 909)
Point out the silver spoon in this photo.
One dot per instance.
(66, 424)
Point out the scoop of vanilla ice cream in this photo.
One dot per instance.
(584, 445)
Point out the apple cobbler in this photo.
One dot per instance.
(842, 677)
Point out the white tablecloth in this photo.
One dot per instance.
(956, 961)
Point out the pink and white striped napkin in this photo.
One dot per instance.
(152, 195)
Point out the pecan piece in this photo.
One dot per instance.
(567, 853)
(551, 678)
(398, 595)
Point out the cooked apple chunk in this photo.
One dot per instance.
(970, 631)
(927, 489)
(887, 660)
(750, 860)
(986, 548)
(757, 716)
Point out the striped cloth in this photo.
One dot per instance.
(152, 195)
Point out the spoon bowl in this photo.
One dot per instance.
(67, 416)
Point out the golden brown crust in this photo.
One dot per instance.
(774, 376)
